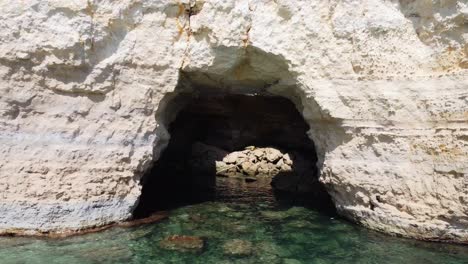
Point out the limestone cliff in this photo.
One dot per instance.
(383, 84)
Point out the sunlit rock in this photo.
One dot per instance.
(85, 88)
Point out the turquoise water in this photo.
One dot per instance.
(295, 235)
(278, 234)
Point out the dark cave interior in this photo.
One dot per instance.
(222, 124)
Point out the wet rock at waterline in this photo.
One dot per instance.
(290, 172)
(88, 90)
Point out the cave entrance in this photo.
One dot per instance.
(234, 147)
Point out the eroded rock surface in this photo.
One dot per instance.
(290, 172)
(85, 86)
(255, 162)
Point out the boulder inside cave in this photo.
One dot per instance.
(236, 148)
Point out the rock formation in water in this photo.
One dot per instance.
(287, 172)
(255, 162)
(85, 88)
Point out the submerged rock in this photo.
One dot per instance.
(270, 248)
(283, 214)
(300, 224)
(275, 215)
(182, 243)
(236, 227)
(238, 247)
(292, 261)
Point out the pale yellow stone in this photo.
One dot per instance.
(84, 92)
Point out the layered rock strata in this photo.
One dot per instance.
(383, 85)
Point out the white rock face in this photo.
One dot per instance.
(383, 84)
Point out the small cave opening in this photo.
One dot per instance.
(234, 148)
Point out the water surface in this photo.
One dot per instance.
(278, 233)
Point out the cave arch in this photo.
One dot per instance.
(228, 119)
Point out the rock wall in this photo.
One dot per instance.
(383, 84)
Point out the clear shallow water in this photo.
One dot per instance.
(294, 235)
(278, 234)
